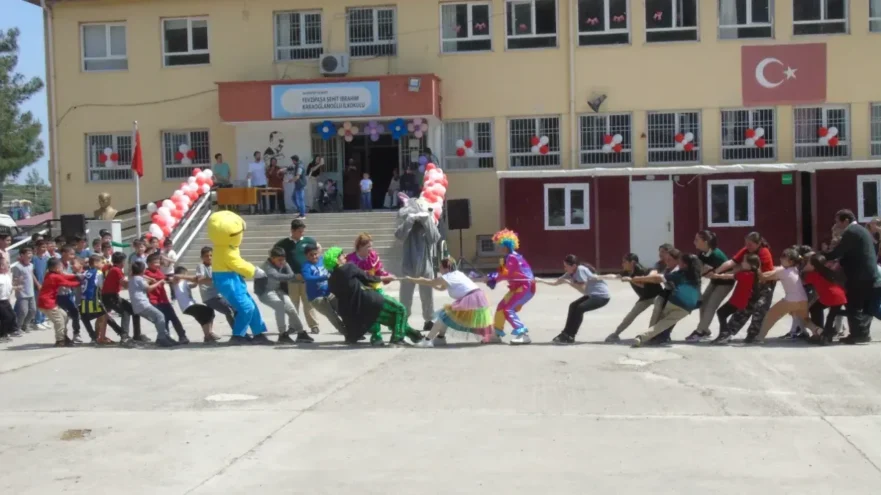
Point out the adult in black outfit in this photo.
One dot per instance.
(855, 253)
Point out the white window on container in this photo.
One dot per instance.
(603, 22)
(534, 142)
(531, 23)
(674, 137)
(182, 151)
(731, 203)
(185, 41)
(465, 27)
(744, 19)
(868, 197)
(468, 145)
(819, 16)
(605, 139)
(567, 206)
(671, 20)
(109, 157)
(748, 134)
(875, 129)
(298, 36)
(875, 16)
(822, 132)
(372, 32)
(104, 47)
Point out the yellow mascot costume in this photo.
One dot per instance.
(226, 229)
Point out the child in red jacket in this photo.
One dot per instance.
(46, 300)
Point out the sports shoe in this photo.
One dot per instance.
(697, 336)
(18, 333)
(521, 339)
(724, 338)
(315, 330)
(438, 341)
(425, 343)
(142, 338)
(563, 339)
(4, 339)
(613, 338)
(76, 339)
(637, 342)
(183, 340)
(285, 339)
(237, 340)
(853, 339)
(377, 342)
(64, 343)
(261, 339)
(750, 338)
(303, 338)
(165, 342)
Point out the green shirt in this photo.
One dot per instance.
(714, 259)
(221, 170)
(295, 251)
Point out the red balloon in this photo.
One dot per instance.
(177, 214)
(760, 143)
(166, 230)
(148, 235)
(617, 148)
(750, 133)
(183, 186)
(114, 157)
(535, 140)
(430, 166)
(209, 182)
(444, 181)
(833, 141)
(429, 196)
(196, 170)
(822, 132)
(689, 146)
(544, 150)
(201, 180)
(680, 137)
(460, 152)
(607, 139)
(469, 143)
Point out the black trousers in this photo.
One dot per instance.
(279, 202)
(112, 302)
(731, 319)
(860, 297)
(8, 321)
(171, 318)
(817, 310)
(577, 309)
(66, 303)
(87, 322)
(221, 306)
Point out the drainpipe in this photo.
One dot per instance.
(53, 116)
(573, 36)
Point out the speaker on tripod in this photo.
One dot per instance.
(73, 225)
(459, 218)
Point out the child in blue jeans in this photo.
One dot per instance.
(315, 276)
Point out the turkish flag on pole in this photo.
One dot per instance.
(783, 74)
(137, 155)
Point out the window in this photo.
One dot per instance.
(875, 129)
(298, 36)
(740, 19)
(531, 23)
(458, 135)
(674, 137)
(603, 22)
(605, 139)
(822, 132)
(185, 41)
(534, 142)
(671, 20)
(330, 149)
(869, 197)
(104, 47)
(567, 207)
(465, 27)
(875, 16)
(486, 246)
(748, 134)
(372, 32)
(819, 16)
(182, 151)
(109, 157)
(731, 203)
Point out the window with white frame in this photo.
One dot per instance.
(185, 41)
(748, 134)
(182, 151)
(486, 246)
(731, 203)
(534, 142)
(875, 129)
(671, 20)
(819, 16)
(875, 16)
(603, 22)
(372, 32)
(741, 19)
(868, 197)
(674, 137)
(531, 23)
(109, 157)
(567, 206)
(468, 145)
(605, 139)
(329, 149)
(298, 36)
(465, 27)
(822, 132)
(104, 47)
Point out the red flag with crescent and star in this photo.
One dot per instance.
(783, 74)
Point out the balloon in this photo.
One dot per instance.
(534, 141)
(833, 131)
(679, 146)
(617, 139)
(208, 173)
(156, 230)
(544, 149)
(460, 143)
(822, 132)
(166, 231)
(689, 136)
(760, 142)
(177, 214)
(200, 180)
(176, 194)
(164, 211)
(374, 137)
(469, 151)
(423, 160)
(418, 134)
(354, 129)
(469, 143)
(196, 171)
(534, 149)
(544, 140)
(607, 148)
(421, 169)
(679, 138)
(823, 140)
(205, 188)
(689, 146)
(151, 207)
(168, 204)
(833, 141)
(430, 167)
(749, 133)
(348, 138)
(191, 180)
(460, 152)
(750, 142)
(617, 148)
(209, 182)
(607, 139)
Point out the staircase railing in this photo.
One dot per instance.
(192, 223)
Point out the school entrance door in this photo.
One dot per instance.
(651, 217)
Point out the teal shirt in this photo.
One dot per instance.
(685, 294)
(221, 170)
(295, 253)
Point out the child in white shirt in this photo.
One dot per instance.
(366, 193)
(182, 287)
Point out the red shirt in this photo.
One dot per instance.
(764, 256)
(743, 289)
(113, 281)
(157, 295)
(829, 293)
(51, 283)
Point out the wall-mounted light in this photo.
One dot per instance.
(414, 84)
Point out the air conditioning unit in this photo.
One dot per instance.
(334, 64)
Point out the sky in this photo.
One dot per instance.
(31, 62)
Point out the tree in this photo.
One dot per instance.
(20, 144)
(34, 179)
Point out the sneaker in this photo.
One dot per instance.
(637, 342)
(26, 330)
(17, 333)
(377, 342)
(613, 338)
(749, 339)
(521, 339)
(142, 338)
(4, 339)
(853, 339)
(237, 340)
(697, 336)
(315, 330)
(285, 339)
(165, 342)
(723, 338)
(425, 343)
(563, 339)
(183, 340)
(64, 343)
(303, 338)
(261, 339)
(77, 339)
(416, 337)
(438, 341)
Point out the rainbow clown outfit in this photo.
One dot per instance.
(514, 269)
(225, 230)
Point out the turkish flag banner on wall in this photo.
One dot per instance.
(783, 74)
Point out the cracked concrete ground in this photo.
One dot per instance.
(587, 418)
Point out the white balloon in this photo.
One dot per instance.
(460, 143)
(186, 161)
(689, 137)
(607, 148)
(168, 204)
(108, 151)
(191, 180)
(205, 188)
(617, 139)
(535, 149)
(183, 148)
(163, 211)
(341, 131)
(544, 140)
(750, 142)
(759, 132)
(680, 146)
(470, 151)
(418, 134)
(833, 131)
(155, 230)
(354, 129)
(200, 175)
(348, 138)
(151, 207)
(177, 194)
(823, 140)
(209, 173)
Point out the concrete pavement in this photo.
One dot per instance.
(327, 418)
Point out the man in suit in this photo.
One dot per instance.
(855, 253)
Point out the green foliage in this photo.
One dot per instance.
(20, 144)
(39, 195)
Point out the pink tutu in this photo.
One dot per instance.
(469, 314)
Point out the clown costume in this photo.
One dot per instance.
(521, 287)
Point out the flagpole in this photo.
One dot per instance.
(137, 186)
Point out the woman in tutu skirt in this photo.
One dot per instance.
(469, 312)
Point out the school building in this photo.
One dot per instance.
(590, 126)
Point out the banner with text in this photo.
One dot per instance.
(344, 99)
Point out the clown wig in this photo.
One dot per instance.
(331, 258)
(507, 238)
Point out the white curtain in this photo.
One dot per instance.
(728, 17)
(448, 27)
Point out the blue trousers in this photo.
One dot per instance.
(366, 201)
(233, 288)
(300, 200)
